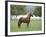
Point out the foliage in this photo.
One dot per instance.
(21, 9)
(17, 9)
(38, 11)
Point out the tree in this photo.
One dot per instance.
(17, 9)
(37, 11)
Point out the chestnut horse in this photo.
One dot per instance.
(24, 20)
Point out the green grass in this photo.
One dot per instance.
(34, 25)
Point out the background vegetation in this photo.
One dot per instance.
(17, 9)
(21, 9)
(34, 25)
(38, 11)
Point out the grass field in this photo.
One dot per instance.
(34, 25)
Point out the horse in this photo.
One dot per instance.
(24, 20)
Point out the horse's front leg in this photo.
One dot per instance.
(27, 25)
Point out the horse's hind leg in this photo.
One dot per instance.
(19, 24)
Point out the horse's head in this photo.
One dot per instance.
(30, 14)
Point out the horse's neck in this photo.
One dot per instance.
(28, 17)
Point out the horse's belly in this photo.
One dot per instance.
(25, 21)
